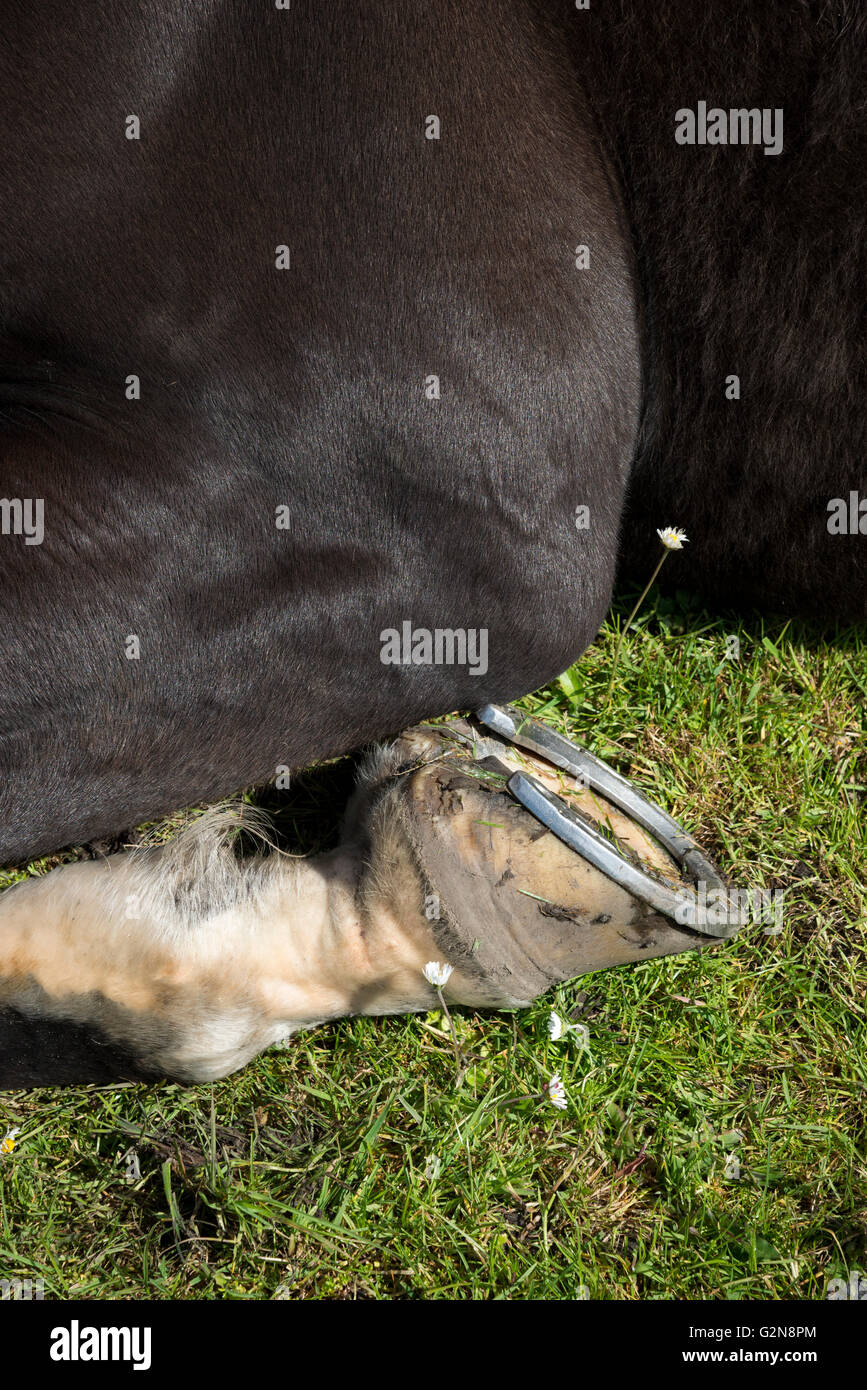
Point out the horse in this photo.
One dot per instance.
(346, 360)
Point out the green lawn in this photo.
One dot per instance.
(714, 1140)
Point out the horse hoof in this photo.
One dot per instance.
(511, 907)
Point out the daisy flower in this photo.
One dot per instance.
(7, 1143)
(436, 973)
(673, 538)
(557, 1029)
(557, 1092)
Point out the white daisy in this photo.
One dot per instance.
(7, 1143)
(436, 973)
(556, 1027)
(557, 1092)
(673, 538)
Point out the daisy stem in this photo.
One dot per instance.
(516, 1100)
(459, 1057)
(628, 623)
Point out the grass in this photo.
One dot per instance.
(714, 1141)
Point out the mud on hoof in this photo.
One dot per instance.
(184, 961)
(512, 908)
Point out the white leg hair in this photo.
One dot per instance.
(196, 961)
